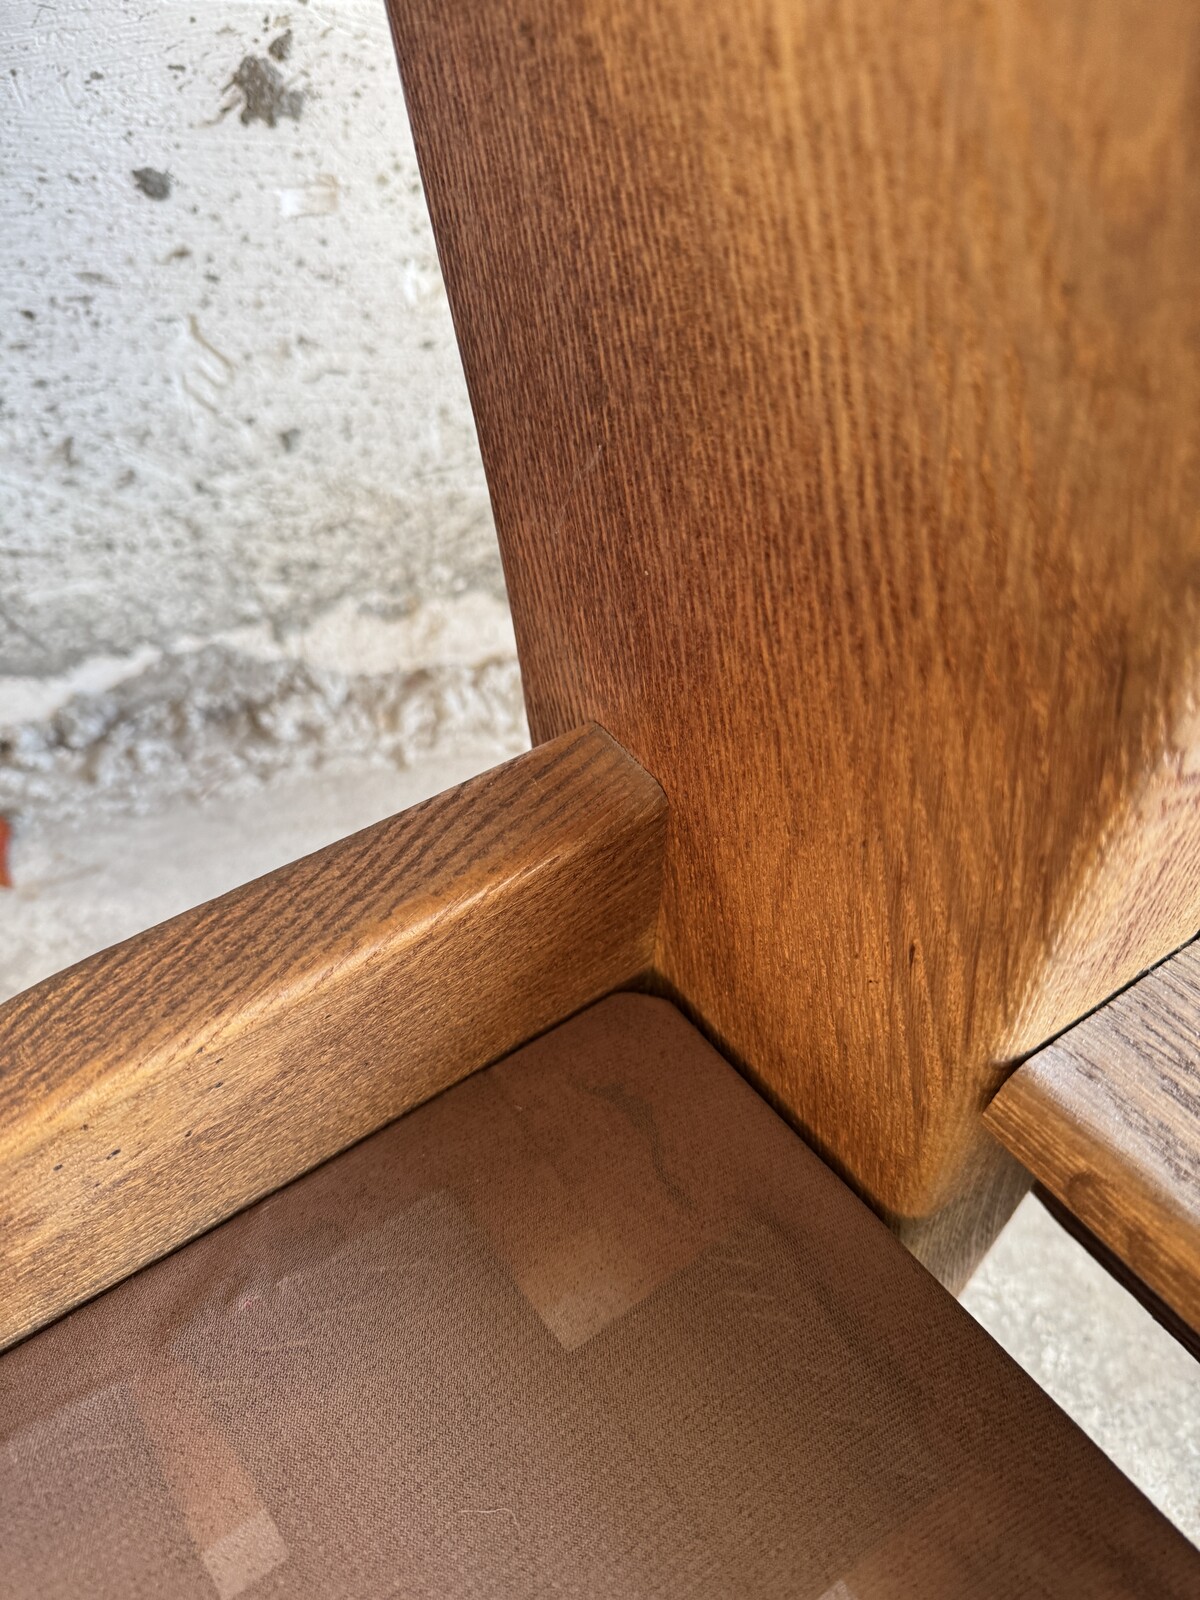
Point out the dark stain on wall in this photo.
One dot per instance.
(264, 95)
(154, 185)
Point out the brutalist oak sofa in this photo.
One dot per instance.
(837, 373)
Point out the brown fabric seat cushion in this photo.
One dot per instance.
(594, 1322)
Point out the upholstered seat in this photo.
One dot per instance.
(594, 1321)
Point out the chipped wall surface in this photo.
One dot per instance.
(233, 424)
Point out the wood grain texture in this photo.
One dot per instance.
(158, 1087)
(1107, 1118)
(837, 372)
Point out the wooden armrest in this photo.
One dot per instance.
(1107, 1118)
(159, 1086)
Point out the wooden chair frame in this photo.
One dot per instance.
(838, 385)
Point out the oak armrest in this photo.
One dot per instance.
(1107, 1118)
(154, 1089)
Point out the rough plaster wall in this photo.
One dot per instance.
(241, 502)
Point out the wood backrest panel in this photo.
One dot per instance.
(159, 1086)
(837, 374)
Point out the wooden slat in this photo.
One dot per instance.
(156, 1088)
(1107, 1118)
(837, 372)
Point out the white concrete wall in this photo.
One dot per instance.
(241, 503)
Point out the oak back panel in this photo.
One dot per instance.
(837, 374)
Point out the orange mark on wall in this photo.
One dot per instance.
(5, 837)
